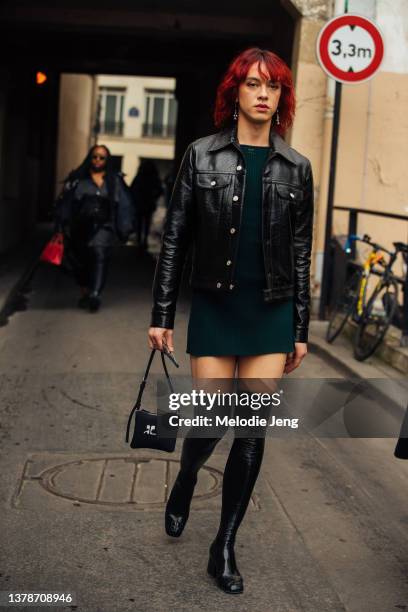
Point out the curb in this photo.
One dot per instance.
(401, 449)
(15, 299)
(390, 350)
(12, 298)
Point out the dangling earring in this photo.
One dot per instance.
(277, 117)
(235, 115)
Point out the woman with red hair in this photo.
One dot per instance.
(243, 200)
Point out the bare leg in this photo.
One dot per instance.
(262, 366)
(212, 367)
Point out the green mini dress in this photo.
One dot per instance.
(240, 322)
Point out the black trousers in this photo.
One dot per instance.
(89, 263)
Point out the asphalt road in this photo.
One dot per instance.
(327, 525)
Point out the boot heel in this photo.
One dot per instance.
(229, 580)
(211, 568)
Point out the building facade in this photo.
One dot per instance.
(135, 117)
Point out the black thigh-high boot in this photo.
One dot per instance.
(240, 474)
(194, 454)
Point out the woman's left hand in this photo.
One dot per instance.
(294, 359)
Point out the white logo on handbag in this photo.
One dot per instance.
(150, 430)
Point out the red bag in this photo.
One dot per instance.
(54, 250)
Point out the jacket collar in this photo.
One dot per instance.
(228, 136)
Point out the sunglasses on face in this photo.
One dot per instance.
(101, 157)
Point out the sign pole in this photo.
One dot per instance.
(324, 290)
(350, 49)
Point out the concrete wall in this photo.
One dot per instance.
(373, 144)
(76, 105)
(16, 198)
(309, 134)
(373, 138)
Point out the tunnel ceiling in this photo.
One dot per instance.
(228, 8)
(140, 37)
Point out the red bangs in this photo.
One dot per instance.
(277, 71)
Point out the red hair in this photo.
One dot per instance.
(236, 73)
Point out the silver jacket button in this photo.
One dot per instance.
(231, 286)
(218, 285)
(235, 198)
(292, 195)
(232, 230)
(239, 167)
(213, 183)
(229, 262)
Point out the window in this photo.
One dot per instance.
(111, 105)
(161, 114)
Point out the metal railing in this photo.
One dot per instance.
(158, 130)
(113, 128)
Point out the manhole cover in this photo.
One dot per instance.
(140, 482)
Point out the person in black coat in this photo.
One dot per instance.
(146, 188)
(95, 210)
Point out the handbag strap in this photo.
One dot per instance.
(57, 238)
(143, 385)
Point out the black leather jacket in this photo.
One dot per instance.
(205, 211)
(122, 220)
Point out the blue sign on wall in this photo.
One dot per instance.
(133, 111)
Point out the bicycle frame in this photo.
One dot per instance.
(355, 302)
(374, 257)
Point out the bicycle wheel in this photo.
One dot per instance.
(376, 319)
(343, 307)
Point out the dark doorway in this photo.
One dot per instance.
(191, 41)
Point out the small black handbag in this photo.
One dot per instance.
(147, 424)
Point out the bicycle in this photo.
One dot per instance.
(372, 313)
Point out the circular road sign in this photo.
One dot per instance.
(350, 48)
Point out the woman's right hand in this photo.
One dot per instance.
(158, 336)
